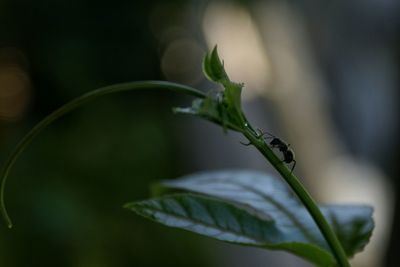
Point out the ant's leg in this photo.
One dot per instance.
(245, 144)
(294, 165)
(270, 136)
(262, 134)
(259, 133)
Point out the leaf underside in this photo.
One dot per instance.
(255, 209)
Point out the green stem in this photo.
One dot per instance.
(70, 106)
(303, 195)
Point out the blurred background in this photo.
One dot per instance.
(322, 75)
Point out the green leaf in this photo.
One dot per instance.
(213, 68)
(222, 108)
(233, 223)
(207, 216)
(353, 224)
(232, 95)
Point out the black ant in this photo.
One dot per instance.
(288, 153)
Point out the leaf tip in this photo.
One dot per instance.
(213, 67)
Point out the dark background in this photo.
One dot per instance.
(66, 192)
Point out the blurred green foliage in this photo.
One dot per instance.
(68, 188)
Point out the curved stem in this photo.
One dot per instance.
(70, 106)
(304, 197)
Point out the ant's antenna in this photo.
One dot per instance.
(263, 133)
